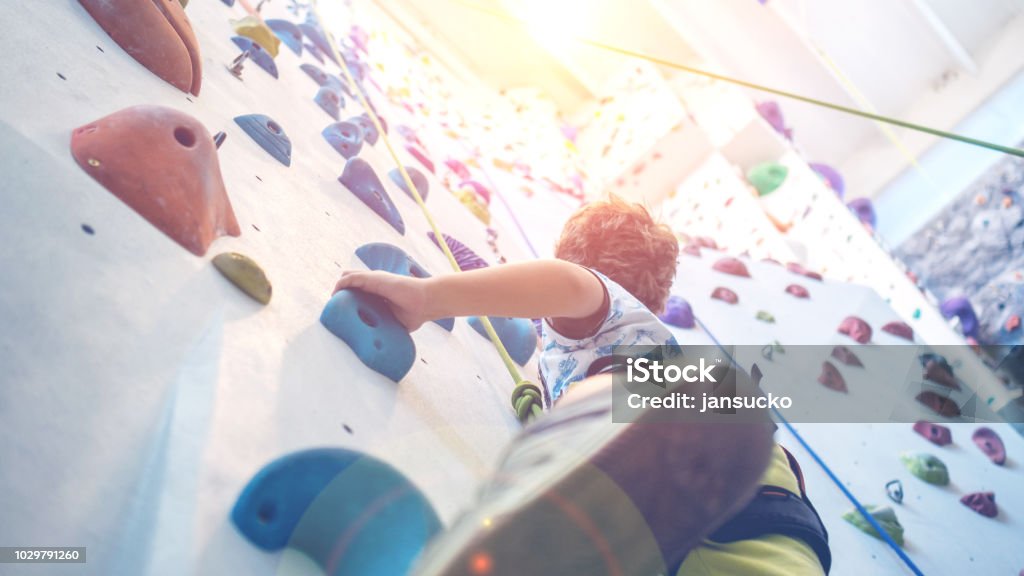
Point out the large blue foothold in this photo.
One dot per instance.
(269, 135)
(316, 36)
(370, 133)
(367, 325)
(257, 54)
(345, 137)
(418, 180)
(289, 34)
(390, 258)
(329, 101)
(352, 514)
(516, 334)
(361, 180)
(318, 75)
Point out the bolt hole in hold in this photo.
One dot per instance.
(266, 513)
(273, 127)
(185, 137)
(370, 320)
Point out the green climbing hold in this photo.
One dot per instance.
(764, 316)
(767, 177)
(886, 518)
(917, 313)
(245, 273)
(926, 467)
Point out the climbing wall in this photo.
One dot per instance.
(141, 389)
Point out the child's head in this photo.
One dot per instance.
(623, 242)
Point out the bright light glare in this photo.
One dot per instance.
(553, 23)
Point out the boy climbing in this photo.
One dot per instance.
(576, 493)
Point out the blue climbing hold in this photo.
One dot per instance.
(228, 2)
(418, 180)
(289, 34)
(349, 512)
(317, 37)
(390, 258)
(517, 335)
(329, 101)
(345, 137)
(678, 313)
(257, 54)
(370, 133)
(318, 75)
(361, 180)
(311, 49)
(268, 134)
(367, 325)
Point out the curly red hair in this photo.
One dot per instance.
(622, 241)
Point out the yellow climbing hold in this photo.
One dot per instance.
(245, 273)
(470, 200)
(254, 29)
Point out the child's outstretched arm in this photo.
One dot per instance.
(536, 289)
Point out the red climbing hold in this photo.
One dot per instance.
(157, 34)
(730, 265)
(899, 329)
(939, 372)
(831, 378)
(939, 404)
(934, 433)
(725, 295)
(798, 291)
(855, 328)
(163, 164)
(1012, 323)
(692, 250)
(983, 503)
(846, 356)
(991, 444)
(797, 268)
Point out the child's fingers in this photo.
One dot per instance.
(350, 279)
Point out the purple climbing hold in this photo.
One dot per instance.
(725, 295)
(855, 328)
(961, 308)
(934, 433)
(939, 404)
(329, 101)
(899, 329)
(345, 137)
(834, 180)
(798, 291)
(257, 54)
(846, 356)
(831, 378)
(991, 444)
(863, 209)
(418, 180)
(770, 111)
(317, 37)
(362, 181)
(464, 256)
(678, 313)
(730, 265)
(421, 156)
(983, 503)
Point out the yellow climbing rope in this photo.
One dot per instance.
(526, 397)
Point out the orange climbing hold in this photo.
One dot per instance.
(163, 164)
(157, 34)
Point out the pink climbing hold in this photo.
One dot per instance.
(798, 291)
(163, 164)
(692, 250)
(725, 295)
(458, 168)
(899, 329)
(797, 268)
(831, 378)
(846, 356)
(706, 242)
(934, 433)
(1012, 323)
(421, 156)
(991, 444)
(939, 404)
(983, 503)
(730, 265)
(855, 328)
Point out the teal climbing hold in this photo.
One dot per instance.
(359, 177)
(365, 322)
(350, 513)
(389, 258)
(926, 467)
(886, 518)
(418, 180)
(268, 134)
(767, 177)
(516, 334)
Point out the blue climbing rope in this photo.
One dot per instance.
(832, 475)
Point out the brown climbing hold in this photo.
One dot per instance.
(983, 503)
(798, 291)
(253, 28)
(157, 34)
(934, 433)
(855, 328)
(725, 295)
(831, 378)
(846, 356)
(729, 265)
(940, 373)
(163, 164)
(245, 273)
(939, 404)
(899, 329)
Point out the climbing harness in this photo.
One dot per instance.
(526, 396)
